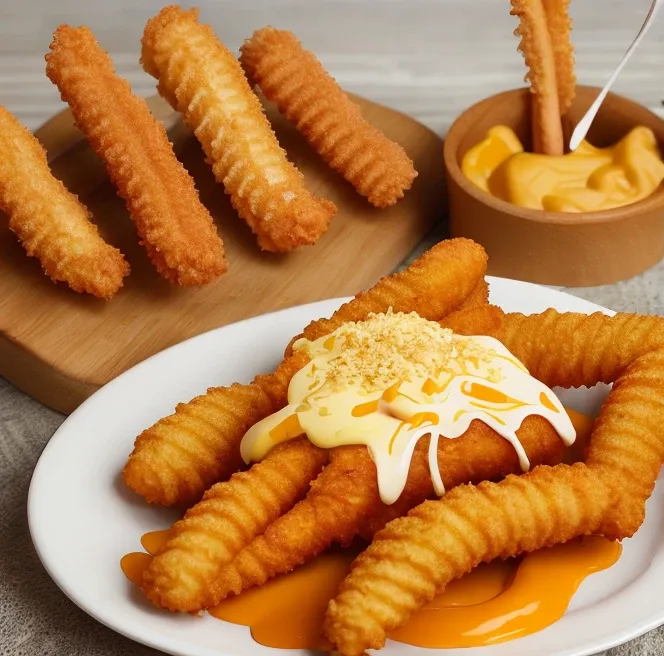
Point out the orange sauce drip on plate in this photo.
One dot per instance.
(493, 603)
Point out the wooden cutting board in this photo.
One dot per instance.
(59, 346)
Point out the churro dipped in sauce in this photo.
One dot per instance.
(395, 378)
(586, 180)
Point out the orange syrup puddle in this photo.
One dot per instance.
(494, 603)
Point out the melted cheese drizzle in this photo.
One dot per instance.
(395, 378)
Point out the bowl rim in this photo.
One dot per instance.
(459, 128)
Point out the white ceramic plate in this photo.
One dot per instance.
(83, 520)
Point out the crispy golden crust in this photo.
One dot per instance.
(51, 222)
(560, 28)
(204, 81)
(179, 457)
(344, 499)
(310, 98)
(537, 49)
(230, 514)
(437, 283)
(479, 297)
(174, 226)
(414, 557)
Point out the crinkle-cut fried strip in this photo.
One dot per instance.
(560, 27)
(627, 444)
(344, 499)
(331, 510)
(437, 283)
(202, 79)
(179, 457)
(414, 557)
(310, 98)
(581, 349)
(174, 226)
(571, 350)
(537, 49)
(51, 223)
(228, 517)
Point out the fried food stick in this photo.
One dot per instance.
(180, 456)
(310, 98)
(346, 493)
(199, 77)
(51, 223)
(544, 29)
(230, 514)
(173, 225)
(414, 558)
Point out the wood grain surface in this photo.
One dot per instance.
(59, 346)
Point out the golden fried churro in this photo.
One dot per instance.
(174, 226)
(344, 499)
(202, 79)
(178, 458)
(230, 514)
(51, 223)
(439, 282)
(415, 557)
(560, 28)
(330, 121)
(544, 29)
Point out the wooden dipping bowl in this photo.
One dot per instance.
(555, 248)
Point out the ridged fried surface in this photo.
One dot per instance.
(173, 225)
(560, 28)
(230, 514)
(202, 79)
(180, 456)
(538, 51)
(51, 223)
(415, 557)
(310, 98)
(344, 499)
(479, 297)
(437, 283)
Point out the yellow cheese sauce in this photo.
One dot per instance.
(389, 381)
(586, 180)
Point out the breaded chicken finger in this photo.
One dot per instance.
(230, 514)
(51, 223)
(308, 96)
(180, 456)
(202, 79)
(174, 226)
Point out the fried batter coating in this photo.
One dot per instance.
(439, 282)
(173, 225)
(224, 521)
(180, 456)
(202, 79)
(344, 499)
(415, 557)
(560, 28)
(51, 223)
(538, 51)
(310, 98)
